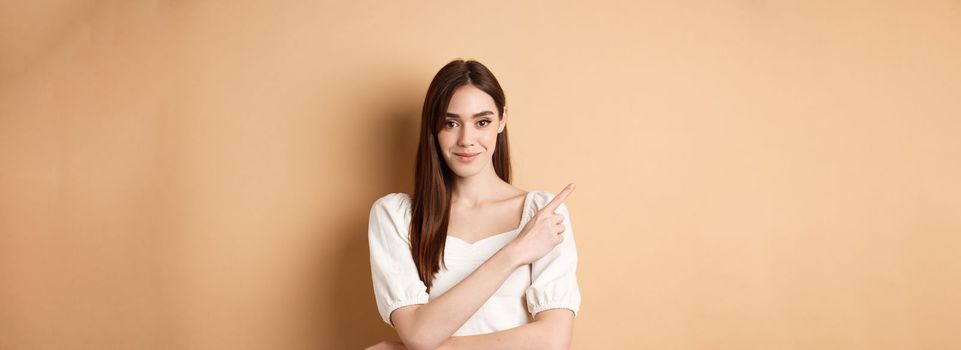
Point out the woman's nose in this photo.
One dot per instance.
(466, 137)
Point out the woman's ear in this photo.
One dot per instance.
(503, 121)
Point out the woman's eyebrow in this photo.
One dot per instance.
(479, 114)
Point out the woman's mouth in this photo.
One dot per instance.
(466, 157)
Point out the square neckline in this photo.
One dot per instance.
(527, 199)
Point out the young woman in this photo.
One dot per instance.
(470, 261)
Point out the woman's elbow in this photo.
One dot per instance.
(414, 339)
(415, 345)
(412, 333)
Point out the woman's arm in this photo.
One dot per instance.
(551, 329)
(427, 326)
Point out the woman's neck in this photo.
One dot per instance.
(481, 188)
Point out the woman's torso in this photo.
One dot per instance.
(507, 307)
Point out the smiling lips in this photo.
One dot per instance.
(466, 157)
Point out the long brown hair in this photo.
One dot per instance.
(433, 179)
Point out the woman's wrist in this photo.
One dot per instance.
(510, 253)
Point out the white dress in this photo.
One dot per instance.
(548, 283)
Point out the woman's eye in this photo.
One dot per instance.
(485, 121)
(450, 124)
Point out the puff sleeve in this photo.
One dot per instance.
(395, 279)
(553, 277)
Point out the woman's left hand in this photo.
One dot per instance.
(388, 345)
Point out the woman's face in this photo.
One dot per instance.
(469, 133)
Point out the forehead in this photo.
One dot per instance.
(468, 100)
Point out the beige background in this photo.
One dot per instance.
(751, 174)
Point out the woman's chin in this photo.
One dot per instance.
(466, 171)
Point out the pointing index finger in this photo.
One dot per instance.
(558, 199)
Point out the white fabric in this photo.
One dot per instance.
(548, 283)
